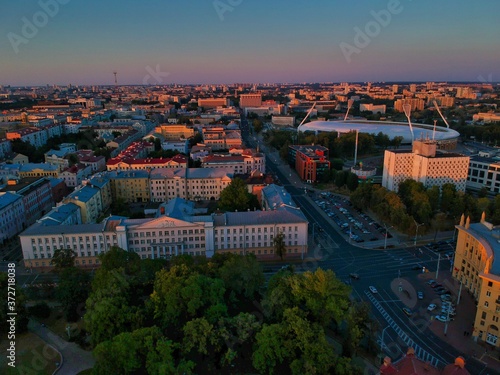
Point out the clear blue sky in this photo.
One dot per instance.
(252, 41)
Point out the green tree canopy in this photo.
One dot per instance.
(235, 197)
(145, 349)
(180, 295)
(279, 245)
(63, 258)
(242, 274)
(72, 290)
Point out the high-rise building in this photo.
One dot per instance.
(484, 172)
(424, 163)
(311, 161)
(415, 103)
(213, 102)
(250, 100)
(477, 268)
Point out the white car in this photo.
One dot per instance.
(431, 307)
(442, 318)
(420, 295)
(373, 289)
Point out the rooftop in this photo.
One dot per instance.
(490, 237)
(8, 198)
(259, 217)
(59, 214)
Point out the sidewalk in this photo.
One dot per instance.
(74, 358)
(463, 323)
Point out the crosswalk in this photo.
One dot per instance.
(419, 351)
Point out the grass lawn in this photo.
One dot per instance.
(33, 356)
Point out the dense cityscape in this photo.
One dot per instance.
(305, 190)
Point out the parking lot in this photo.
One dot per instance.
(352, 222)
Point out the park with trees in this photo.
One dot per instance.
(433, 208)
(193, 315)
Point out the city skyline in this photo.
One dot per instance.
(228, 41)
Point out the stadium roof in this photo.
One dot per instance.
(391, 129)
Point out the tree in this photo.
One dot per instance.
(63, 258)
(322, 295)
(352, 181)
(494, 217)
(279, 245)
(116, 258)
(340, 179)
(142, 349)
(235, 197)
(433, 194)
(361, 197)
(396, 141)
(109, 307)
(72, 290)
(257, 125)
(295, 341)
(242, 274)
(181, 295)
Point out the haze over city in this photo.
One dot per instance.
(225, 41)
(249, 186)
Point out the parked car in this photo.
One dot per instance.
(437, 285)
(444, 291)
(442, 318)
(407, 311)
(445, 297)
(420, 295)
(373, 289)
(430, 282)
(431, 307)
(354, 276)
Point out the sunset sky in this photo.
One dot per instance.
(207, 41)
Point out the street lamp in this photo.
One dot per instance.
(416, 232)
(385, 240)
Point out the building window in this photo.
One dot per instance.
(490, 283)
(486, 304)
(488, 293)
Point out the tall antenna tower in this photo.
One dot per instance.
(115, 72)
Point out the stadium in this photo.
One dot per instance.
(446, 138)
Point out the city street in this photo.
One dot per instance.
(382, 269)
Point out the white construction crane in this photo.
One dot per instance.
(350, 102)
(440, 114)
(305, 118)
(407, 109)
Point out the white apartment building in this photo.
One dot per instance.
(424, 164)
(484, 172)
(240, 164)
(175, 230)
(188, 183)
